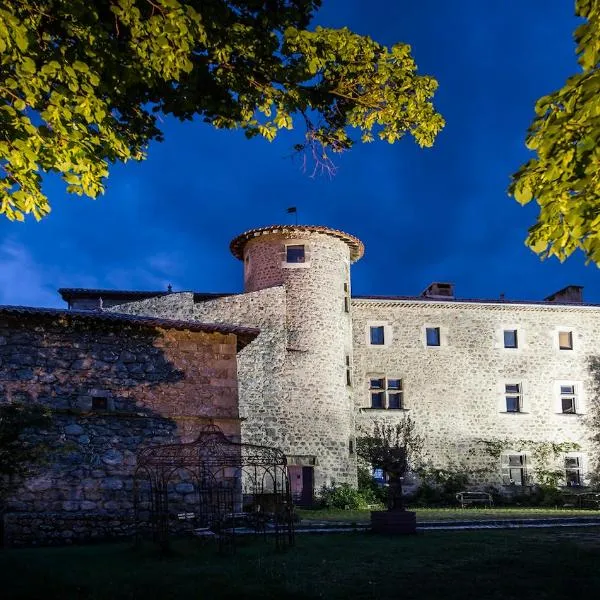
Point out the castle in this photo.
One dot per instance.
(500, 387)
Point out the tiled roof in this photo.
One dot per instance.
(244, 334)
(498, 301)
(67, 293)
(236, 246)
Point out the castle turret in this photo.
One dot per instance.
(313, 265)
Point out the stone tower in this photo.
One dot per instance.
(316, 414)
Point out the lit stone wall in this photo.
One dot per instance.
(455, 392)
(318, 415)
(292, 378)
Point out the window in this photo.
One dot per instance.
(565, 340)
(346, 299)
(514, 469)
(568, 399)
(386, 393)
(573, 471)
(432, 336)
(294, 253)
(510, 338)
(377, 335)
(514, 397)
(348, 371)
(99, 403)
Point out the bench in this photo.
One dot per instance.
(589, 500)
(473, 498)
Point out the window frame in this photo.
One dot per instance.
(296, 265)
(387, 334)
(518, 394)
(297, 251)
(578, 470)
(560, 345)
(515, 333)
(438, 337)
(348, 369)
(576, 395)
(568, 393)
(385, 391)
(507, 469)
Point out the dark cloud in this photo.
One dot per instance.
(435, 214)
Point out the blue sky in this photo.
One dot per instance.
(440, 214)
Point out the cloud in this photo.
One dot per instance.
(22, 281)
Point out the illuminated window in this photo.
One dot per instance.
(514, 470)
(432, 336)
(573, 471)
(568, 399)
(565, 340)
(386, 393)
(514, 397)
(294, 253)
(510, 338)
(377, 335)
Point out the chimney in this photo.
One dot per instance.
(439, 290)
(569, 294)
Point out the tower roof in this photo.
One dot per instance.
(237, 245)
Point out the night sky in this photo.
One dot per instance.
(439, 214)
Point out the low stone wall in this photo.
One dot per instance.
(58, 529)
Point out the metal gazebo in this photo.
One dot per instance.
(213, 486)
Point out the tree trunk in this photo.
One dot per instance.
(395, 501)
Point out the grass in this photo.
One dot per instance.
(450, 514)
(542, 564)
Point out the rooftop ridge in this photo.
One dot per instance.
(245, 334)
(357, 248)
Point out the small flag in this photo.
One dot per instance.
(292, 209)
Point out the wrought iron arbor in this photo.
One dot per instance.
(213, 486)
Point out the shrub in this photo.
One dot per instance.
(342, 496)
(372, 492)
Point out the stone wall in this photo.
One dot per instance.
(455, 392)
(293, 387)
(113, 387)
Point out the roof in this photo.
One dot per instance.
(449, 300)
(245, 335)
(236, 246)
(69, 294)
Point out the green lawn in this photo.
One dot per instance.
(450, 514)
(548, 564)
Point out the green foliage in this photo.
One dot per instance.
(593, 420)
(393, 448)
(564, 177)
(371, 491)
(542, 452)
(83, 84)
(16, 454)
(439, 486)
(342, 496)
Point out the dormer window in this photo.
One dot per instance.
(295, 253)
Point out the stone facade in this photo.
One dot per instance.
(114, 384)
(309, 382)
(456, 391)
(294, 392)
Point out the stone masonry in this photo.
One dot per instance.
(306, 384)
(114, 384)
